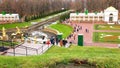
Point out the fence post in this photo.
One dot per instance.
(13, 48)
(2, 44)
(48, 46)
(14, 51)
(42, 48)
(26, 50)
(37, 51)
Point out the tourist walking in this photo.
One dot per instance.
(61, 43)
(52, 40)
(48, 42)
(56, 40)
(64, 42)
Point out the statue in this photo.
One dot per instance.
(4, 35)
(35, 39)
(18, 30)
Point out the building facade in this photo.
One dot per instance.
(110, 15)
(9, 18)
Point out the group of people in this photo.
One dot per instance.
(76, 29)
(56, 41)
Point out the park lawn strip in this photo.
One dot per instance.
(109, 39)
(62, 28)
(24, 24)
(106, 27)
(48, 17)
(101, 57)
(13, 25)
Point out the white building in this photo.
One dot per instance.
(9, 18)
(110, 15)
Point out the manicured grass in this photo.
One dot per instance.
(62, 28)
(106, 27)
(108, 37)
(101, 57)
(22, 25)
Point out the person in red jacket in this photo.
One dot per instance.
(61, 43)
(48, 42)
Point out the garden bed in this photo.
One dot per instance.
(106, 27)
(108, 37)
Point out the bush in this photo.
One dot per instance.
(63, 17)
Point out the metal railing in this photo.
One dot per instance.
(41, 49)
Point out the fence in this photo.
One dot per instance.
(26, 51)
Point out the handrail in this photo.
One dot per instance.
(29, 48)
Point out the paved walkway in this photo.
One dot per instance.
(87, 30)
(87, 35)
(28, 49)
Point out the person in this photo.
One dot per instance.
(85, 30)
(48, 42)
(61, 43)
(44, 42)
(80, 28)
(74, 36)
(56, 39)
(77, 30)
(43, 37)
(52, 41)
(64, 42)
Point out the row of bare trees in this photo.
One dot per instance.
(33, 7)
(28, 8)
(95, 5)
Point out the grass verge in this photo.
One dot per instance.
(62, 28)
(101, 57)
(24, 24)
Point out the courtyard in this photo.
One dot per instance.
(93, 37)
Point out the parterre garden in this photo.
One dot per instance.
(107, 37)
(106, 27)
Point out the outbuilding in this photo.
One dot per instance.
(9, 18)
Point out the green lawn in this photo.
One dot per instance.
(62, 28)
(106, 37)
(106, 27)
(101, 57)
(22, 25)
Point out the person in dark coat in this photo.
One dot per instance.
(52, 40)
(56, 40)
(43, 37)
(61, 43)
(64, 42)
